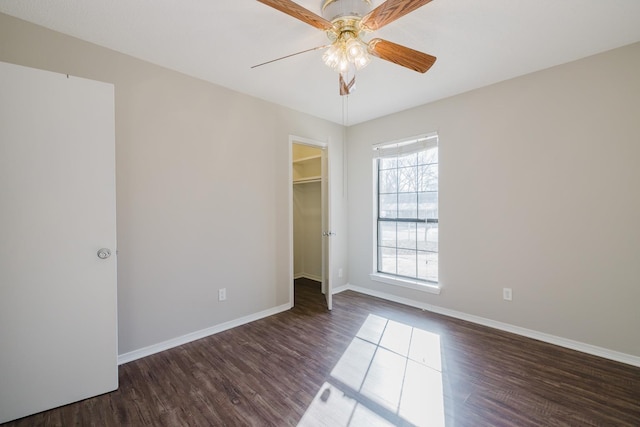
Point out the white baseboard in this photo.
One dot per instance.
(193, 336)
(341, 289)
(540, 336)
(307, 276)
(552, 339)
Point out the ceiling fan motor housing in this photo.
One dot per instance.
(338, 9)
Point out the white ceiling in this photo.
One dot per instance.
(477, 43)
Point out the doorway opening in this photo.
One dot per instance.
(309, 221)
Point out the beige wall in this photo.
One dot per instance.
(202, 188)
(307, 213)
(307, 208)
(539, 192)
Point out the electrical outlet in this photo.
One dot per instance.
(507, 295)
(222, 294)
(340, 273)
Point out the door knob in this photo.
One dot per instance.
(104, 253)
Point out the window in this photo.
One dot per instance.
(407, 210)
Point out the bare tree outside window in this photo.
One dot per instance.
(408, 215)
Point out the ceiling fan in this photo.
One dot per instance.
(345, 22)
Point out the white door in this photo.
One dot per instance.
(327, 233)
(58, 313)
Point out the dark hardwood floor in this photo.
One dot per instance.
(368, 362)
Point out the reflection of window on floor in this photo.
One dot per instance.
(390, 374)
(407, 205)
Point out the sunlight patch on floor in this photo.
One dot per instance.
(390, 374)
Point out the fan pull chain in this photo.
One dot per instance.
(345, 123)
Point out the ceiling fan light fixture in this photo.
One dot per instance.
(357, 53)
(355, 49)
(346, 52)
(344, 65)
(362, 61)
(332, 56)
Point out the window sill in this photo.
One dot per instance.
(432, 288)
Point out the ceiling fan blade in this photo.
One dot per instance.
(401, 55)
(299, 12)
(289, 56)
(389, 11)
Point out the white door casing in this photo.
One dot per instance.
(58, 308)
(326, 230)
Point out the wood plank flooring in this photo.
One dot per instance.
(368, 362)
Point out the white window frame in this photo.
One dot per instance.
(383, 150)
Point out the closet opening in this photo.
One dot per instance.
(309, 217)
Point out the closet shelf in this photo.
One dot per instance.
(307, 180)
(307, 159)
